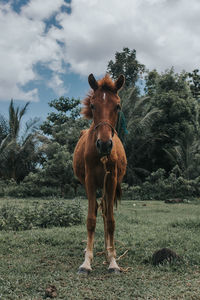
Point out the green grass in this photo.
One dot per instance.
(33, 259)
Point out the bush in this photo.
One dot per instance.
(24, 190)
(45, 215)
(160, 187)
(131, 192)
(2, 188)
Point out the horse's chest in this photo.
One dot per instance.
(99, 174)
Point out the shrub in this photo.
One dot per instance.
(159, 186)
(45, 215)
(28, 189)
(2, 188)
(131, 192)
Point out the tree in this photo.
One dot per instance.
(67, 109)
(63, 128)
(64, 125)
(185, 155)
(195, 83)
(58, 168)
(140, 138)
(126, 64)
(18, 151)
(170, 93)
(136, 113)
(4, 129)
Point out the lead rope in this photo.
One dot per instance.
(103, 207)
(103, 204)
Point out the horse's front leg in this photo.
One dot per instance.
(110, 196)
(91, 224)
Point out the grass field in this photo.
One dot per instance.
(32, 260)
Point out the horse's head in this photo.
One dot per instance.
(103, 105)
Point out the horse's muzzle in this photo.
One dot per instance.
(104, 148)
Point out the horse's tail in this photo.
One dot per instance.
(118, 193)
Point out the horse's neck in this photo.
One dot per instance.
(92, 131)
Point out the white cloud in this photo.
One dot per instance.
(39, 10)
(23, 44)
(165, 33)
(57, 84)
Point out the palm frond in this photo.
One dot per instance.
(23, 110)
(141, 124)
(31, 126)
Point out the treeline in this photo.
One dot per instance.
(159, 127)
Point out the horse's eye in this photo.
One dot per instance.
(118, 107)
(92, 106)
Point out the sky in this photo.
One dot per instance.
(49, 47)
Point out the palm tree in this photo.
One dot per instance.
(186, 155)
(18, 150)
(140, 117)
(4, 129)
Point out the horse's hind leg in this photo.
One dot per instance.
(91, 224)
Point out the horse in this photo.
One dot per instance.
(102, 105)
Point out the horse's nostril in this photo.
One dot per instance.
(104, 147)
(110, 144)
(98, 143)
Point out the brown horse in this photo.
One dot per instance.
(101, 140)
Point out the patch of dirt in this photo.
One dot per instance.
(51, 291)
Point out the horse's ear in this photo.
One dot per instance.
(119, 82)
(92, 82)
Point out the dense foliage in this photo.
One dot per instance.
(159, 127)
(40, 215)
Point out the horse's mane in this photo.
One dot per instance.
(105, 84)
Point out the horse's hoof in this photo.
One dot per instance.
(114, 271)
(83, 271)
